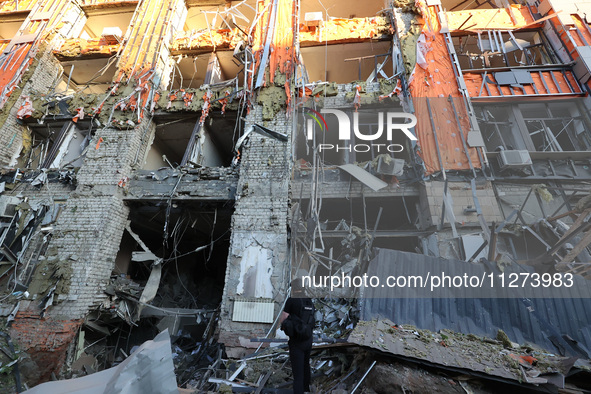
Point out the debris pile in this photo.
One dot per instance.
(336, 318)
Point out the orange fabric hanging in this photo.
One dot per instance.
(434, 78)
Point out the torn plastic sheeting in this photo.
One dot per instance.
(256, 268)
(497, 18)
(422, 48)
(364, 177)
(151, 287)
(26, 109)
(148, 370)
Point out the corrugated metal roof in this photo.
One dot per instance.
(542, 321)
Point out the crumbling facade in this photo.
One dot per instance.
(159, 167)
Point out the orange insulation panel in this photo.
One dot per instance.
(7, 77)
(436, 80)
(582, 30)
(17, 5)
(79, 47)
(339, 30)
(336, 31)
(205, 41)
(282, 54)
(546, 87)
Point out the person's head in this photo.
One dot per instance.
(296, 288)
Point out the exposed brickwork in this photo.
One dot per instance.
(46, 340)
(85, 242)
(46, 71)
(260, 218)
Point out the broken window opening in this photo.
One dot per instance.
(190, 242)
(110, 25)
(497, 124)
(55, 146)
(556, 127)
(345, 227)
(497, 49)
(213, 146)
(383, 156)
(9, 29)
(329, 63)
(207, 69)
(342, 9)
(542, 127)
(86, 76)
(460, 5)
(204, 18)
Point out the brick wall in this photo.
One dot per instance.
(260, 219)
(46, 340)
(46, 71)
(86, 239)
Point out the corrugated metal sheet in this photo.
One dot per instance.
(542, 321)
(254, 311)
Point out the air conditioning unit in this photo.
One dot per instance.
(390, 166)
(514, 159)
(313, 18)
(8, 206)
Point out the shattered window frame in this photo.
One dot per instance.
(517, 128)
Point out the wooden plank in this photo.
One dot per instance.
(583, 243)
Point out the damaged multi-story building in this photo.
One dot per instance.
(164, 165)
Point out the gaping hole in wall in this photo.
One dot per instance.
(194, 71)
(494, 49)
(54, 146)
(459, 5)
(108, 24)
(341, 9)
(212, 143)
(335, 237)
(343, 63)
(546, 225)
(204, 18)
(25, 231)
(368, 153)
(8, 29)
(557, 126)
(169, 274)
(529, 245)
(86, 76)
(346, 226)
(543, 127)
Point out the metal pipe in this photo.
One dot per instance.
(436, 140)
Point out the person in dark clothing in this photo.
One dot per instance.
(299, 350)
